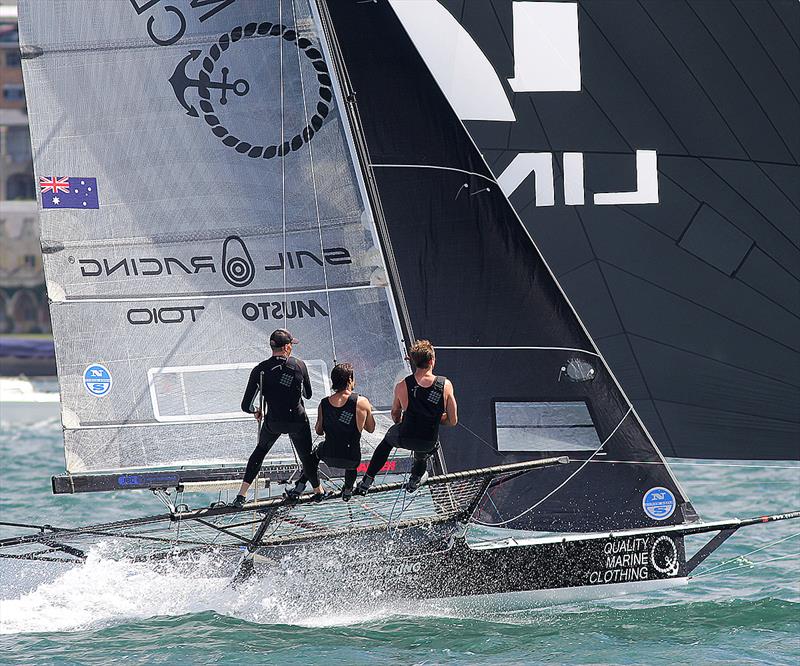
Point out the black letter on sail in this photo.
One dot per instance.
(237, 266)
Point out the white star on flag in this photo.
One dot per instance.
(56, 200)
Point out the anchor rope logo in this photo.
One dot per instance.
(664, 556)
(181, 82)
(237, 265)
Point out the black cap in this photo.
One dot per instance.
(280, 338)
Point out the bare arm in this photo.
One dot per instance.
(450, 405)
(365, 406)
(400, 397)
(318, 426)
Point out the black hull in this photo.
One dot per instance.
(440, 570)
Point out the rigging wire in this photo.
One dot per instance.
(565, 481)
(314, 186)
(745, 565)
(282, 155)
(739, 558)
(694, 464)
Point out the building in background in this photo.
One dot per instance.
(23, 299)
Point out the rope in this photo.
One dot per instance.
(316, 197)
(748, 565)
(693, 464)
(564, 482)
(283, 163)
(408, 500)
(475, 434)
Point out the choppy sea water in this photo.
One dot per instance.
(745, 611)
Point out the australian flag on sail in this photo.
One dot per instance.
(65, 192)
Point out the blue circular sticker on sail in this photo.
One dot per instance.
(97, 379)
(659, 503)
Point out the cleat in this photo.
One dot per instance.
(415, 482)
(239, 501)
(347, 493)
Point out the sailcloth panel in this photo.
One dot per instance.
(479, 289)
(197, 192)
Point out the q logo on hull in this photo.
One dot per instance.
(237, 266)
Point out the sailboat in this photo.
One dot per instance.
(241, 165)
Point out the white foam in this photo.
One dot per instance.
(104, 592)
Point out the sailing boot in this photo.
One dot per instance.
(239, 501)
(293, 494)
(364, 485)
(415, 482)
(347, 493)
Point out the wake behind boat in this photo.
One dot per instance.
(311, 170)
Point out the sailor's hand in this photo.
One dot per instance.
(258, 415)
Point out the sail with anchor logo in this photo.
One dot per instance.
(230, 207)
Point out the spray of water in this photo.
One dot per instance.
(312, 588)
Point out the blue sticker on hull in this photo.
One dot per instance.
(659, 503)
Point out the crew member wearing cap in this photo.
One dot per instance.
(284, 382)
(422, 401)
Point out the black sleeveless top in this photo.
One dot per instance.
(425, 408)
(342, 446)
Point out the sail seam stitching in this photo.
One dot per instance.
(521, 348)
(277, 292)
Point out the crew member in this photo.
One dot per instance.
(341, 418)
(284, 381)
(422, 401)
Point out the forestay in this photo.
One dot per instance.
(198, 191)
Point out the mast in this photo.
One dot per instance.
(347, 97)
(355, 133)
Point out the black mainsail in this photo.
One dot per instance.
(530, 381)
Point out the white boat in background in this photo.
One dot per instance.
(28, 401)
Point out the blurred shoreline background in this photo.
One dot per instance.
(24, 314)
(23, 299)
